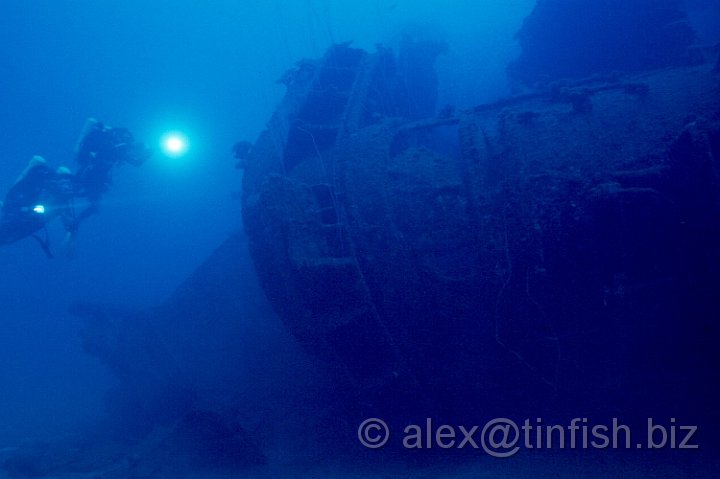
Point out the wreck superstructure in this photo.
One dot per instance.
(441, 251)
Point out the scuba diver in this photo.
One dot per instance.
(42, 194)
(39, 195)
(99, 150)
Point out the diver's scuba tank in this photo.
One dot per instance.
(91, 124)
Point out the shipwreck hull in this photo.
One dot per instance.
(526, 246)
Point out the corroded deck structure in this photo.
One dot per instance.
(433, 251)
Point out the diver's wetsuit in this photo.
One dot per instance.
(100, 150)
(37, 198)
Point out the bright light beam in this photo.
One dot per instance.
(174, 144)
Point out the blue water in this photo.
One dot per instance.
(209, 70)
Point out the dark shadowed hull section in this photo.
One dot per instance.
(523, 249)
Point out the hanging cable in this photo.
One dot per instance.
(328, 26)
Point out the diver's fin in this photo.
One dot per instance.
(45, 245)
